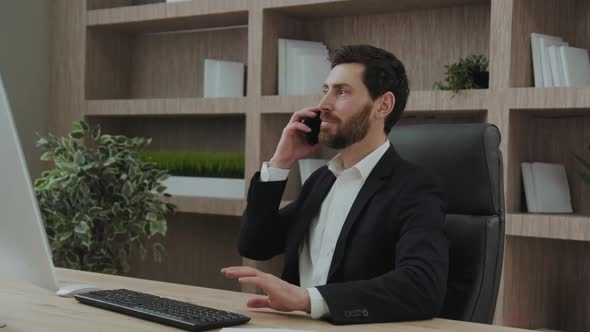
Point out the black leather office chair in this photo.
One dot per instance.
(467, 159)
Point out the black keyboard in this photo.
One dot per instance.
(179, 314)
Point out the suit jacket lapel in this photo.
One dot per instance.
(377, 178)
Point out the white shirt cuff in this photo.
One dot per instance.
(268, 173)
(319, 307)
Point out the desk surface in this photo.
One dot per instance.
(27, 308)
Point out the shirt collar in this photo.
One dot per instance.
(364, 166)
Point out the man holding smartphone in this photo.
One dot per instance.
(364, 241)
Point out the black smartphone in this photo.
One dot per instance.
(314, 124)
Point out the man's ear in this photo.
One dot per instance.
(386, 104)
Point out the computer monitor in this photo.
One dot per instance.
(24, 249)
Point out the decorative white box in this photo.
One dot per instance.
(223, 79)
(205, 187)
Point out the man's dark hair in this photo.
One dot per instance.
(383, 72)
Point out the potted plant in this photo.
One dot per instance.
(469, 73)
(98, 202)
(205, 174)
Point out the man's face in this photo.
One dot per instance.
(347, 108)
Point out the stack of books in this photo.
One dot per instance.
(303, 67)
(557, 64)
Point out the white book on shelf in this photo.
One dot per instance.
(529, 187)
(290, 55)
(536, 51)
(536, 55)
(308, 71)
(549, 190)
(576, 66)
(556, 66)
(282, 67)
(545, 43)
(223, 79)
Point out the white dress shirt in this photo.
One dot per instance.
(315, 256)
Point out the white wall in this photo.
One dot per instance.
(24, 66)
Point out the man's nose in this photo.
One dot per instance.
(326, 104)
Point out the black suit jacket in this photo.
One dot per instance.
(391, 258)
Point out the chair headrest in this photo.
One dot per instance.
(466, 158)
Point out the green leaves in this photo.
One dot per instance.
(97, 203)
(159, 252)
(65, 236)
(468, 73)
(82, 228)
(96, 133)
(47, 156)
(154, 227)
(79, 158)
(127, 189)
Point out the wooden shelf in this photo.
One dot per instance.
(424, 51)
(549, 226)
(167, 106)
(551, 136)
(464, 100)
(286, 104)
(163, 17)
(321, 9)
(207, 205)
(550, 98)
(569, 20)
(419, 101)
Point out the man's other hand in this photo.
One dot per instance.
(280, 295)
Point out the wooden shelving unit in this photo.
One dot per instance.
(564, 98)
(162, 17)
(549, 226)
(137, 70)
(166, 107)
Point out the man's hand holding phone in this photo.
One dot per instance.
(293, 144)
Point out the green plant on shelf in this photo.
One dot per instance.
(199, 164)
(468, 73)
(584, 170)
(100, 202)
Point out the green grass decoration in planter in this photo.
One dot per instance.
(199, 164)
(469, 73)
(100, 202)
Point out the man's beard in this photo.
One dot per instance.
(352, 131)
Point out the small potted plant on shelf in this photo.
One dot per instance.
(98, 202)
(469, 73)
(205, 174)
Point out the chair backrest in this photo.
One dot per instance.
(468, 161)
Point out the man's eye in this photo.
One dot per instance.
(342, 91)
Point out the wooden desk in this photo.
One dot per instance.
(28, 308)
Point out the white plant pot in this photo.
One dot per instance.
(205, 187)
(308, 166)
